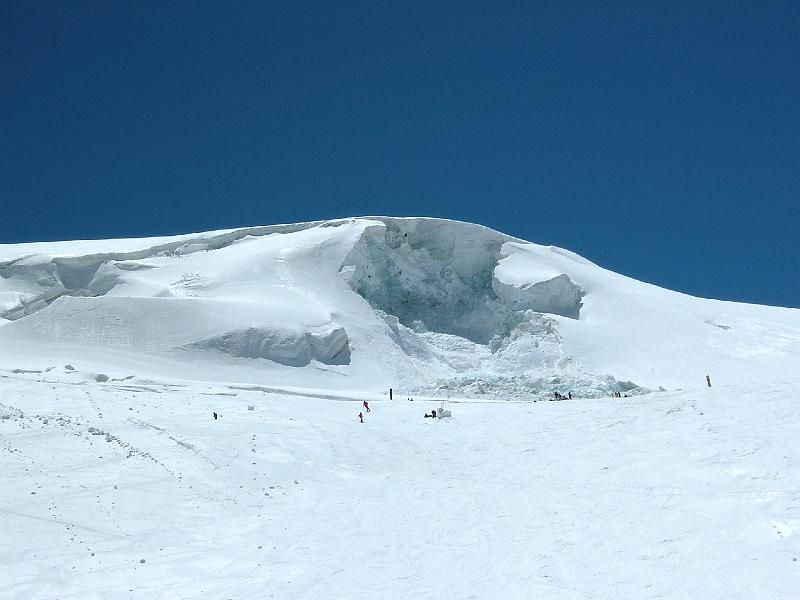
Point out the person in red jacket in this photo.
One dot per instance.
(366, 406)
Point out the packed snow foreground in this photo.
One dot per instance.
(119, 482)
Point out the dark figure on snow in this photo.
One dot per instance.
(366, 406)
(361, 417)
(569, 395)
(431, 416)
(215, 416)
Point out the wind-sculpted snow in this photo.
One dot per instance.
(241, 299)
(33, 275)
(330, 346)
(386, 302)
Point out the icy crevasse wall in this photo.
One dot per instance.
(431, 275)
(439, 276)
(557, 296)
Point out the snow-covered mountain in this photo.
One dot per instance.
(179, 418)
(425, 305)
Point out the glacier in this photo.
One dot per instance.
(179, 418)
(380, 302)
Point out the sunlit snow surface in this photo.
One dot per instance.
(426, 304)
(692, 494)
(118, 482)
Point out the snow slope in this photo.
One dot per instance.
(422, 304)
(117, 481)
(129, 489)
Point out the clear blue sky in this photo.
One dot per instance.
(661, 140)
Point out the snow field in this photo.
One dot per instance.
(691, 494)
